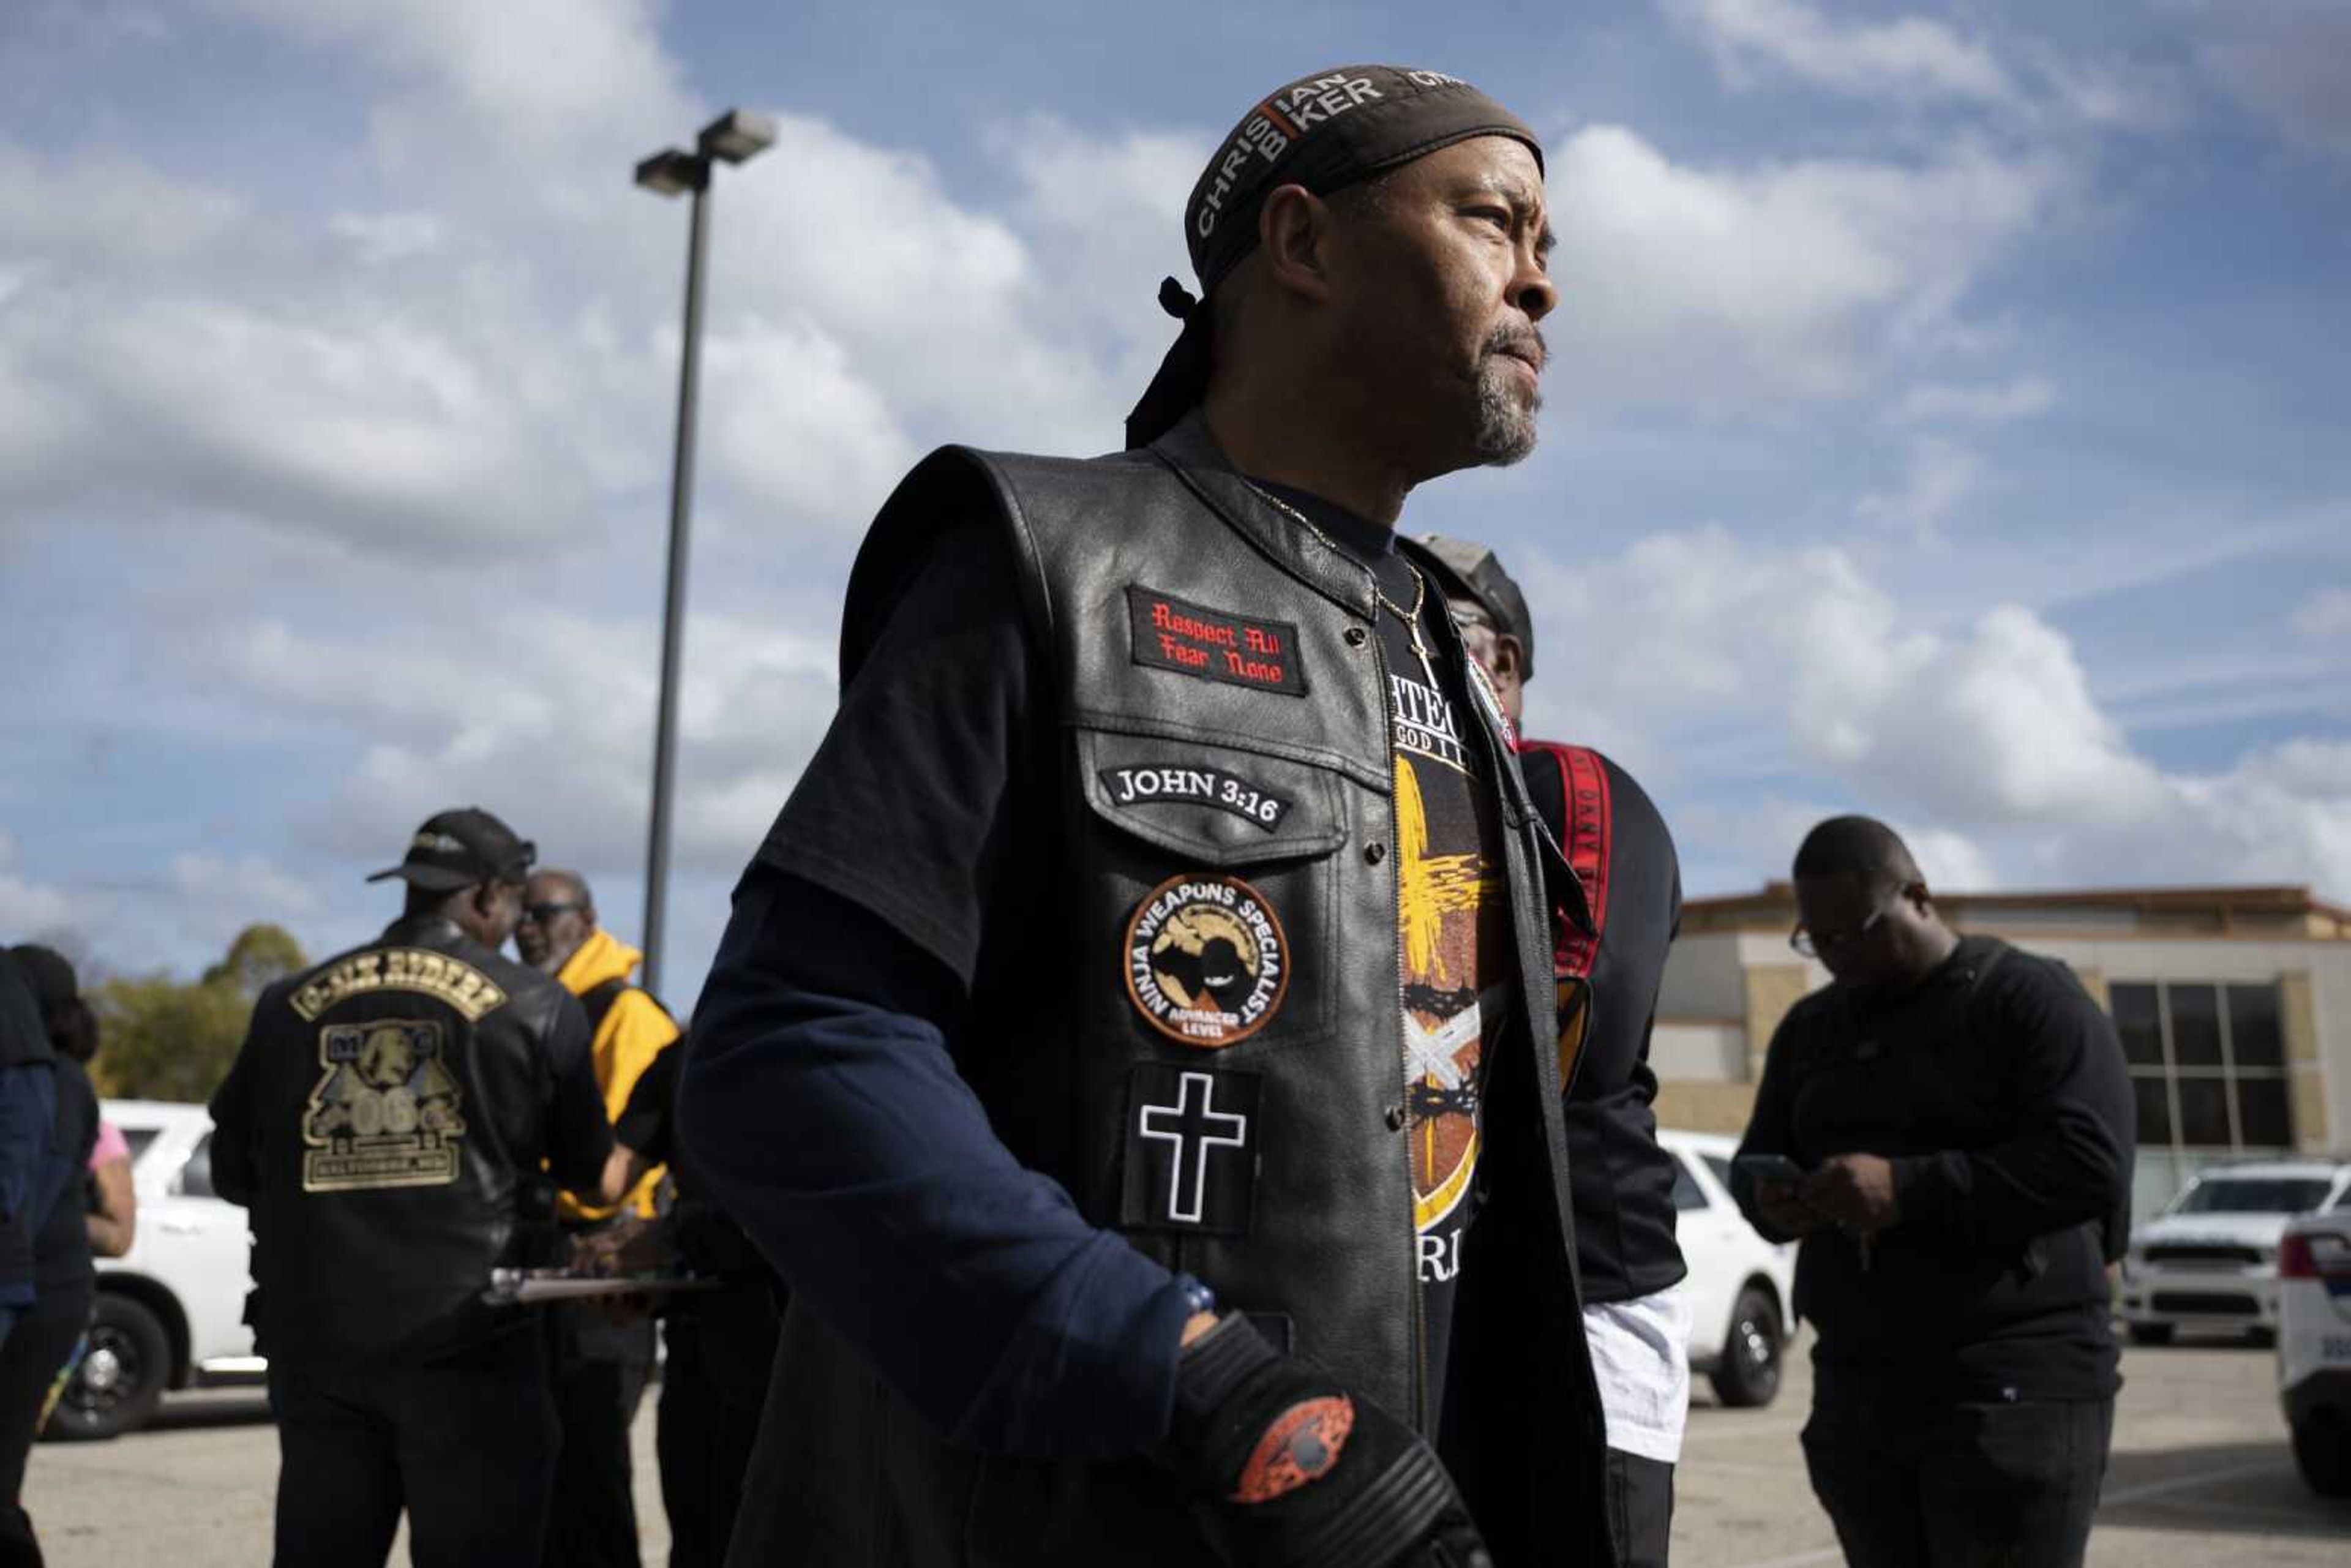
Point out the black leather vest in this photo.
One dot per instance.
(398, 1121)
(1217, 1070)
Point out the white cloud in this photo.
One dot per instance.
(30, 909)
(406, 403)
(396, 431)
(2326, 617)
(86, 208)
(2115, 96)
(1951, 863)
(805, 437)
(1104, 216)
(1939, 477)
(2282, 814)
(380, 238)
(937, 306)
(1999, 726)
(1721, 290)
(1934, 403)
(1984, 741)
(524, 81)
(557, 736)
(1908, 58)
(233, 891)
(2285, 61)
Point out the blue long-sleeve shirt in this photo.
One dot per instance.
(841, 1137)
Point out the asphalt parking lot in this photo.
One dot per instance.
(2200, 1475)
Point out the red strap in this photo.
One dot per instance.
(1583, 781)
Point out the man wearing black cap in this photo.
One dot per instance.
(1133, 1041)
(389, 1122)
(1635, 1314)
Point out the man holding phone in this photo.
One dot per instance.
(1948, 1128)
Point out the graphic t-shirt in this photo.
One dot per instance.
(1453, 937)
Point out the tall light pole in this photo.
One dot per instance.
(731, 138)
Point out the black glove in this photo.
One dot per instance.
(1306, 1475)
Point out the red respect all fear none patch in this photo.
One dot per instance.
(1172, 633)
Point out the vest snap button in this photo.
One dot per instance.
(1395, 1118)
(1375, 853)
(1357, 636)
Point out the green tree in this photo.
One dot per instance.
(259, 958)
(161, 1038)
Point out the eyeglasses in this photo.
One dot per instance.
(540, 914)
(1469, 620)
(1812, 944)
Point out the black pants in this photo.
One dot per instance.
(1966, 1485)
(598, 1365)
(36, 1348)
(466, 1445)
(1640, 1508)
(713, 1384)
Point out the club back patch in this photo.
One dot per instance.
(386, 1113)
(1172, 633)
(1207, 962)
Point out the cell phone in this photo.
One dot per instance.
(1769, 1170)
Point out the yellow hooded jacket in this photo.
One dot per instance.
(633, 1032)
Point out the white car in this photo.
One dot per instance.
(1741, 1288)
(2210, 1259)
(170, 1311)
(2314, 1307)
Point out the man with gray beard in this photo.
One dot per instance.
(1133, 1042)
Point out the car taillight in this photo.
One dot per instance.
(2294, 1261)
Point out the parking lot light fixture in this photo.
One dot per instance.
(673, 172)
(736, 135)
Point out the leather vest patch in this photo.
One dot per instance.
(1172, 633)
(385, 1111)
(1191, 782)
(1191, 1149)
(1207, 962)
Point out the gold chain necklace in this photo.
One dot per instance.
(1411, 617)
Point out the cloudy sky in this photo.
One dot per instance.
(1947, 418)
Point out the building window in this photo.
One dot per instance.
(2207, 1064)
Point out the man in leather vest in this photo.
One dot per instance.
(1961, 1118)
(386, 1122)
(1636, 1315)
(1133, 1043)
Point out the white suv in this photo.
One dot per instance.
(2314, 1347)
(2210, 1259)
(1741, 1288)
(170, 1311)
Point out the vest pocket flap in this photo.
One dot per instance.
(1215, 805)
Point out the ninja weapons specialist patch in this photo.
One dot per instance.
(1207, 962)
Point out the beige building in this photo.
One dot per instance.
(2234, 1005)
